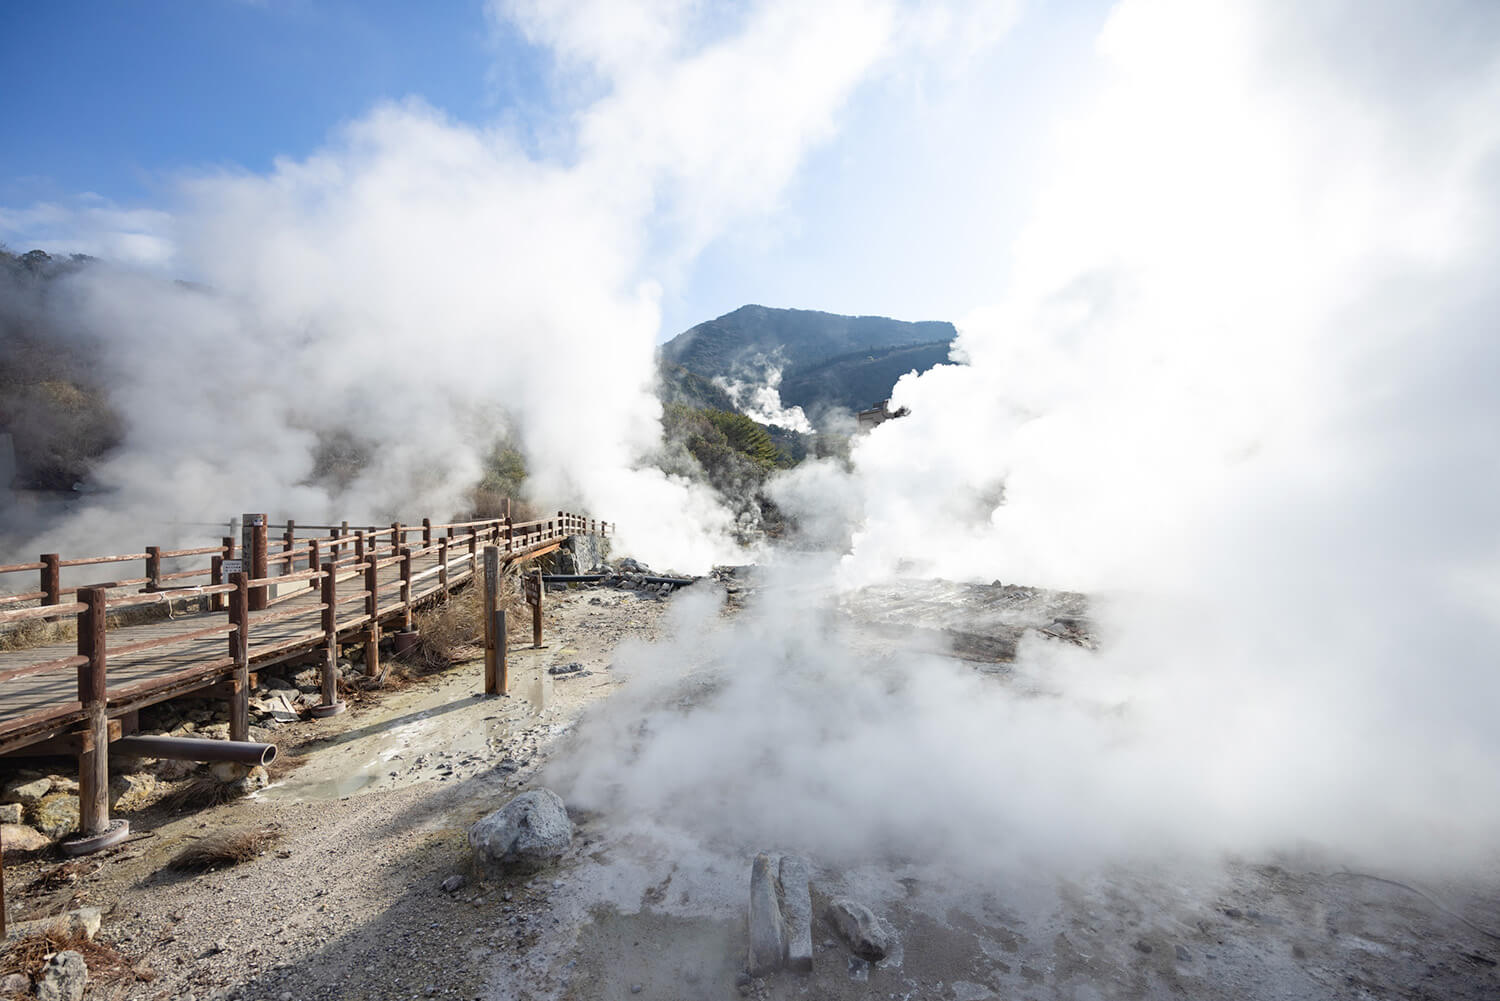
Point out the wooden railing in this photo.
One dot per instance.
(340, 570)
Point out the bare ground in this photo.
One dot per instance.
(349, 903)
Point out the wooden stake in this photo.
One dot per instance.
(494, 642)
(536, 613)
(93, 763)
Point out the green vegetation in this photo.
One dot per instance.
(52, 400)
(827, 360)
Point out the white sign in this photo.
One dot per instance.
(233, 566)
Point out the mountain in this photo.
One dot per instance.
(826, 359)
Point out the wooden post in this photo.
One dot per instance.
(406, 587)
(333, 547)
(536, 613)
(343, 530)
(51, 578)
(330, 706)
(396, 540)
(473, 548)
(372, 609)
(426, 532)
(255, 555)
(216, 577)
(153, 568)
(442, 570)
(239, 650)
(493, 641)
(289, 540)
(509, 541)
(359, 545)
(93, 762)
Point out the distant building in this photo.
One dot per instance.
(879, 414)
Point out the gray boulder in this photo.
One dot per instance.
(865, 934)
(63, 978)
(529, 832)
(767, 927)
(579, 554)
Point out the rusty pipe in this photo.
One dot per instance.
(196, 749)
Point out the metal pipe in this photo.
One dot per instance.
(196, 749)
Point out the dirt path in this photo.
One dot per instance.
(349, 904)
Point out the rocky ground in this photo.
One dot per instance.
(371, 890)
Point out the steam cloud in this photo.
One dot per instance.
(1237, 387)
(425, 285)
(1239, 390)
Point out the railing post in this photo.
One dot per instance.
(239, 651)
(473, 548)
(289, 540)
(216, 577)
(254, 530)
(396, 539)
(153, 568)
(333, 547)
(330, 706)
(442, 570)
(406, 587)
(93, 762)
(509, 542)
(372, 609)
(343, 530)
(359, 545)
(426, 532)
(51, 578)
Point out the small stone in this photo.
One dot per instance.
(864, 933)
(636, 988)
(130, 792)
(11, 813)
(63, 978)
(255, 779)
(1183, 955)
(55, 814)
(27, 792)
(15, 983)
(454, 883)
(1142, 946)
(228, 771)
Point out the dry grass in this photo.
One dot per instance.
(107, 965)
(453, 632)
(227, 848)
(200, 792)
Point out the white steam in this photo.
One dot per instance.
(759, 398)
(425, 285)
(1239, 388)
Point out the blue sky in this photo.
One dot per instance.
(907, 209)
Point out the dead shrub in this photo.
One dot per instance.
(107, 965)
(226, 848)
(453, 632)
(201, 792)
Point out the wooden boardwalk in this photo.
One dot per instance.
(45, 695)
